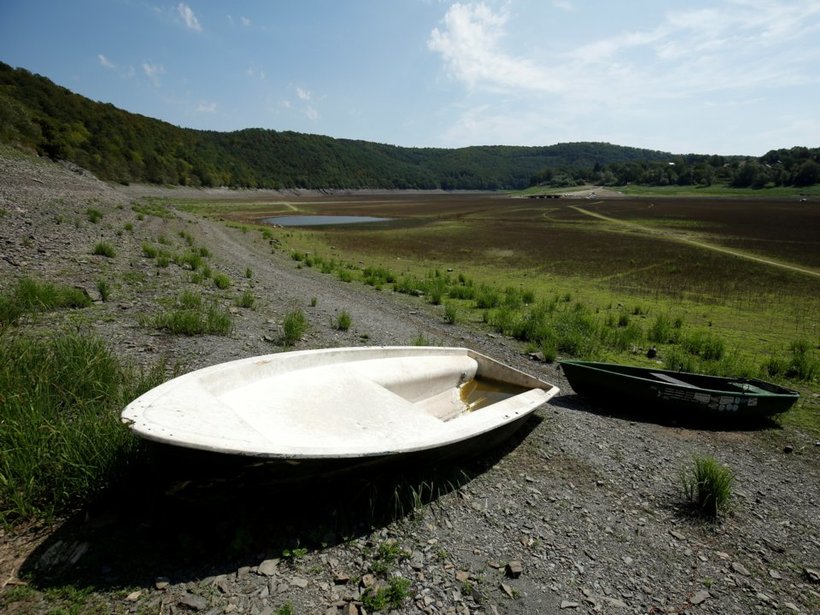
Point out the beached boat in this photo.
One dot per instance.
(651, 390)
(340, 404)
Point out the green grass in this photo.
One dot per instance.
(190, 315)
(103, 248)
(29, 295)
(61, 436)
(93, 215)
(708, 486)
(343, 321)
(221, 281)
(294, 327)
(390, 596)
(246, 300)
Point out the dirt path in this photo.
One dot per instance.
(673, 236)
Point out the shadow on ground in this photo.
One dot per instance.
(186, 521)
(630, 412)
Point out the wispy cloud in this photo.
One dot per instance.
(153, 72)
(305, 103)
(255, 73)
(206, 107)
(186, 13)
(245, 21)
(105, 61)
(738, 44)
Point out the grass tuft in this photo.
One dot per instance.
(103, 248)
(61, 436)
(293, 327)
(190, 315)
(343, 321)
(708, 486)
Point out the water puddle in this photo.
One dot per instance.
(321, 220)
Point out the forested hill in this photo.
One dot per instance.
(126, 147)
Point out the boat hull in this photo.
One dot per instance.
(348, 406)
(667, 393)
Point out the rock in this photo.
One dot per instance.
(812, 575)
(192, 601)
(462, 576)
(538, 356)
(268, 568)
(615, 602)
(700, 597)
(740, 569)
(134, 596)
(568, 604)
(677, 534)
(507, 590)
(791, 606)
(513, 569)
(367, 580)
(299, 582)
(162, 583)
(341, 579)
(788, 449)
(652, 353)
(775, 574)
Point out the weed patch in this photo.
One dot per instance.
(708, 486)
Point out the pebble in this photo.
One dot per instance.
(568, 604)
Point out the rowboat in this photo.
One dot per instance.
(678, 393)
(364, 403)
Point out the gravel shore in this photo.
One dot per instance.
(583, 513)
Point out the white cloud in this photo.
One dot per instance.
(245, 21)
(105, 61)
(153, 72)
(469, 43)
(311, 113)
(302, 93)
(206, 107)
(564, 5)
(186, 13)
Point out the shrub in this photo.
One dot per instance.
(103, 248)
(343, 321)
(248, 273)
(93, 215)
(392, 596)
(293, 327)
(708, 485)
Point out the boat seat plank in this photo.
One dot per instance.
(672, 380)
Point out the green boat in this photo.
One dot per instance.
(646, 389)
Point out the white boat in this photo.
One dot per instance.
(340, 403)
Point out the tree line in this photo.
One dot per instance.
(126, 147)
(797, 166)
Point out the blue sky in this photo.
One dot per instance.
(725, 77)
